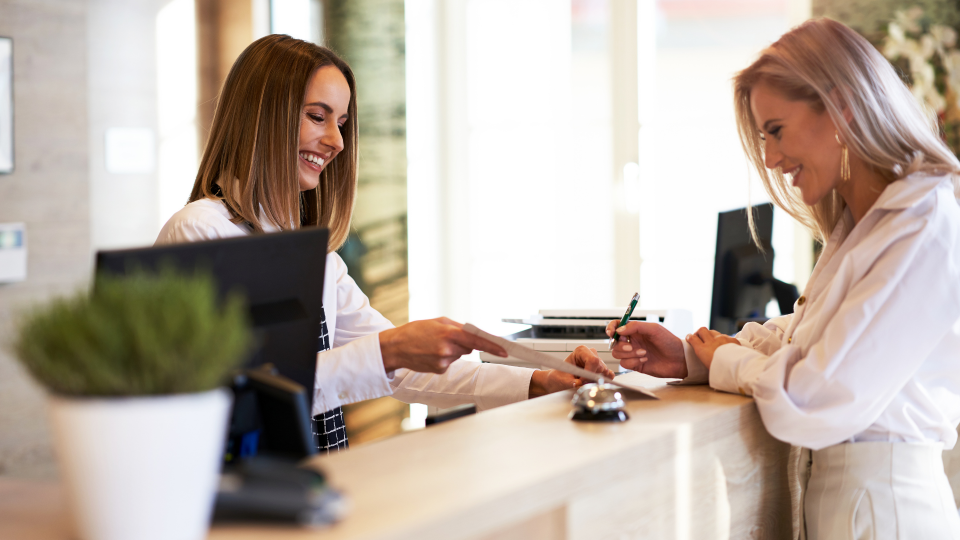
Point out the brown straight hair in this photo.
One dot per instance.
(829, 66)
(253, 146)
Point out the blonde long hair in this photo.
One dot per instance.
(252, 149)
(829, 66)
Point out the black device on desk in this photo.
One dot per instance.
(743, 282)
(281, 277)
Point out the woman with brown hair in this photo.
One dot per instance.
(282, 154)
(864, 377)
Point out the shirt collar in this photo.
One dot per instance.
(265, 222)
(898, 195)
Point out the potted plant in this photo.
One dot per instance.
(134, 370)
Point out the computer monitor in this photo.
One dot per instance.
(743, 282)
(281, 277)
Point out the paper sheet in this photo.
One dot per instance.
(543, 359)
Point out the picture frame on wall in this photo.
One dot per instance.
(6, 105)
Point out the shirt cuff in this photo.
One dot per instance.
(724, 370)
(498, 385)
(697, 373)
(348, 374)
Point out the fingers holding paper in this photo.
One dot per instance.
(589, 360)
(544, 382)
(430, 346)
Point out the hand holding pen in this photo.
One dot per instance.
(647, 347)
(625, 318)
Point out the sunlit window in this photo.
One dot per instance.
(513, 187)
(693, 159)
(302, 19)
(511, 179)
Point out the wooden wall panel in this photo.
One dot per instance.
(224, 29)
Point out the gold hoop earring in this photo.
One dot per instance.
(844, 159)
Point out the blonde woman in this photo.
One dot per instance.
(282, 154)
(866, 372)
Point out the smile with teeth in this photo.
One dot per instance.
(312, 158)
(793, 173)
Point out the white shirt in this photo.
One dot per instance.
(873, 351)
(353, 369)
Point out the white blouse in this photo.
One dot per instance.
(352, 370)
(872, 351)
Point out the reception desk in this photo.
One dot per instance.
(695, 464)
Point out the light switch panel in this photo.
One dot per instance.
(13, 252)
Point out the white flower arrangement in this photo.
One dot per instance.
(905, 39)
(933, 61)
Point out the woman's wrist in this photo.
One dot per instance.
(390, 362)
(537, 384)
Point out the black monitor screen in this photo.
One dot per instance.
(742, 273)
(279, 274)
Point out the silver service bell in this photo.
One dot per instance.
(598, 402)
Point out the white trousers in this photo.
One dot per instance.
(878, 490)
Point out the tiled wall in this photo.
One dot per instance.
(49, 191)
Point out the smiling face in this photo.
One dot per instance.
(799, 140)
(324, 114)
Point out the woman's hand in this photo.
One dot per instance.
(649, 348)
(545, 382)
(430, 346)
(706, 342)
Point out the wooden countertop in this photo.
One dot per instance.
(696, 464)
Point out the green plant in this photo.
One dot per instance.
(140, 334)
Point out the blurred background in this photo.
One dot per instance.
(515, 155)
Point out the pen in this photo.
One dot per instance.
(626, 317)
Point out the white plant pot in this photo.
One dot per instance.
(141, 468)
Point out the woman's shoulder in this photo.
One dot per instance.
(911, 190)
(936, 198)
(203, 219)
(918, 199)
(335, 269)
(921, 209)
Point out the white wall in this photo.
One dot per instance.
(142, 75)
(122, 93)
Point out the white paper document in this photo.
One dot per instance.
(545, 360)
